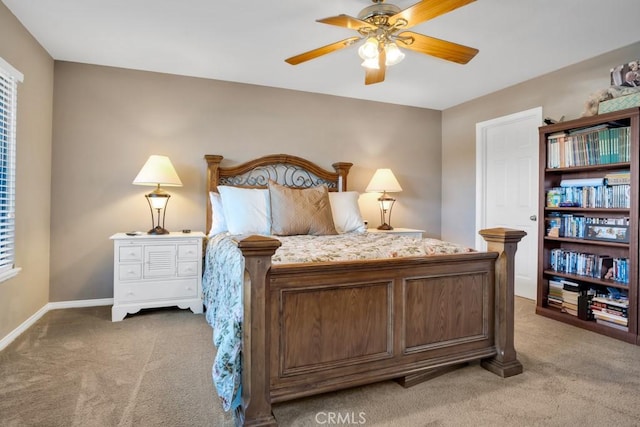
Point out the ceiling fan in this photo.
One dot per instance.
(384, 26)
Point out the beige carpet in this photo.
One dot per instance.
(76, 368)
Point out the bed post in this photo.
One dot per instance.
(213, 164)
(504, 241)
(342, 169)
(255, 409)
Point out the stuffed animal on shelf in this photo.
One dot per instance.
(591, 106)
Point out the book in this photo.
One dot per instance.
(584, 306)
(619, 302)
(568, 285)
(553, 223)
(612, 325)
(554, 196)
(618, 320)
(617, 178)
(582, 182)
(600, 308)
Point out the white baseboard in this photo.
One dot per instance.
(51, 306)
(23, 327)
(80, 303)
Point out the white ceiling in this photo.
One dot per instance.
(247, 41)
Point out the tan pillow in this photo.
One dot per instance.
(300, 211)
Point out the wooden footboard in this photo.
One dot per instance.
(313, 328)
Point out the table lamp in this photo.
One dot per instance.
(158, 171)
(385, 182)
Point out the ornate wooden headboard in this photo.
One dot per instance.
(284, 169)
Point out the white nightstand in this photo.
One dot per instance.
(156, 271)
(409, 232)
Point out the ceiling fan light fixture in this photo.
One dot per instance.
(369, 49)
(371, 63)
(393, 53)
(383, 26)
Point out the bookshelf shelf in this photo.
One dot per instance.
(587, 279)
(587, 242)
(599, 167)
(588, 210)
(590, 325)
(594, 164)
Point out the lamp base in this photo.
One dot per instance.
(385, 226)
(158, 230)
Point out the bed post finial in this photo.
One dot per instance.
(213, 164)
(505, 242)
(342, 169)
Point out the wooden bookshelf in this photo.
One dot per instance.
(592, 157)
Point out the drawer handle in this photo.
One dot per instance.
(130, 293)
(132, 254)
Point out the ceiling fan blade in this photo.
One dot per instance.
(312, 54)
(372, 75)
(425, 10)
(436, 47)
(346, 21)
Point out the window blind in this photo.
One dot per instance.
(9, 78)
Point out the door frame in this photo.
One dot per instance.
(481, 164)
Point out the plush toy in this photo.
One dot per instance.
(591, 106)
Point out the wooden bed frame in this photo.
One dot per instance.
(318, 327)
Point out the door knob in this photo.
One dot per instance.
(533, 218)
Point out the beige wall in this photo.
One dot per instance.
(25, 294)
(563, 92)
(107, 121)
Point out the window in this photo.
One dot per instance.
(9, 78)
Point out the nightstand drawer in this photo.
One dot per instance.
(158, 290)
(130, 271)
(130, 253)
(188, 251)
(188, 269)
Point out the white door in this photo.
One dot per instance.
(507, 187)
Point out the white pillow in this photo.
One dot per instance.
(218, 222)
(246, 210)
(346, 212)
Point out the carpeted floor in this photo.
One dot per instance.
(75, 367)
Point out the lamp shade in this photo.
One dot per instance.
(369, 49)
(393, 53)
(383, 181)
(158, 170)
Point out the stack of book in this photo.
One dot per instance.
(570, 294)
(554, 297)
(611, 312)
(576, 298)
